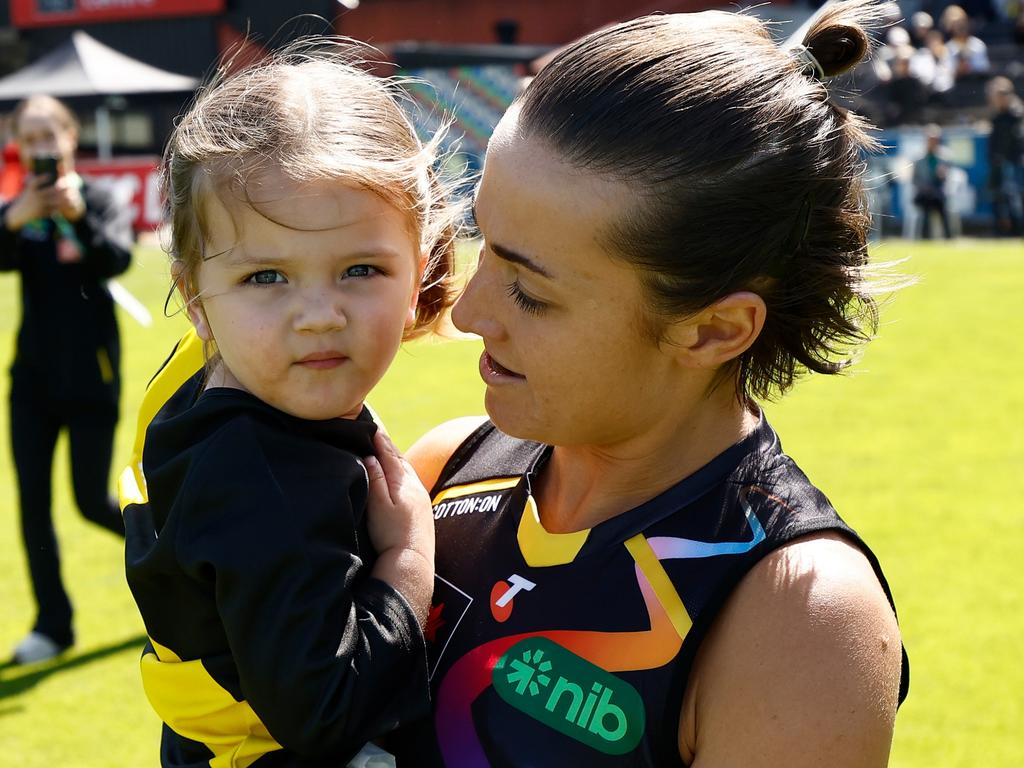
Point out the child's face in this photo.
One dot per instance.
(307, 303)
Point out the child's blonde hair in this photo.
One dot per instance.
(314, 112)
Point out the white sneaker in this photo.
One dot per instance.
(36, 647)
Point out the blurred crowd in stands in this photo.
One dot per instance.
(943, 70)
(942, 65)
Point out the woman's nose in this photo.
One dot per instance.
(474, 311)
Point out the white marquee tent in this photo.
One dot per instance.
(83, 66)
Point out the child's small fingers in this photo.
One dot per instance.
(383, 443)
(375, 475)
(390, 460)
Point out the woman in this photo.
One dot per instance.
(630, 570)
(65, 238)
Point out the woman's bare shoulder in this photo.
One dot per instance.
(430, 453)
(801, 668)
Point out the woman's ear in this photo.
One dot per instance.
(193, 306)
(719, 333)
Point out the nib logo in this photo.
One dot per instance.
(569, 694)
(523, 671)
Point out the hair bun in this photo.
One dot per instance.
(837, 35)
(838, 48)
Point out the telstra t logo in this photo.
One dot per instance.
(565, 692)
(503, 592)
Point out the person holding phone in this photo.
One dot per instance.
(65, 238)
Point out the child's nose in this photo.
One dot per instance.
(320, 310)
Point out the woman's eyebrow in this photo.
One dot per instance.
(509, 255)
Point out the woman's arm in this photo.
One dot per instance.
(105, 232)
(14, 215)
(802, 667)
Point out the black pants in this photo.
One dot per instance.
(927, 209)
(35, 426)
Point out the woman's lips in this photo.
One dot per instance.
(492, 370)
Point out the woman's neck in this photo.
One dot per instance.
(582, 486)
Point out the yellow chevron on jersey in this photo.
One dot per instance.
(187, 358)
(541, 548)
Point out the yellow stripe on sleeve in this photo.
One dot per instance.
(186, 360)
(195, 706)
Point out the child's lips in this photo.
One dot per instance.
(322, 360)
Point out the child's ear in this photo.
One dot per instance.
(193, 306)
(720, 333)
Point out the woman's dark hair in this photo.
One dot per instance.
(746, 176)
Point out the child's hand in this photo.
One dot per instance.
(401, 525)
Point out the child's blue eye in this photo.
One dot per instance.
(361, 270)
(265, 277)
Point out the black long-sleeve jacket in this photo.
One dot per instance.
(250, 565)
(68, 345)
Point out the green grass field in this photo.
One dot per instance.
(918, 448)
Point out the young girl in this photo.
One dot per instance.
(310, 236)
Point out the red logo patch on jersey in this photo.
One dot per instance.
(500, 614)
(447, 612)
(502, 594)
(434, 622)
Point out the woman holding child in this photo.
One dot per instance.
(630, 571)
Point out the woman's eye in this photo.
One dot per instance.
(524, 301)
(361, 270)
(266, 277)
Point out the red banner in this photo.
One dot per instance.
(134, 181)
(42, 13)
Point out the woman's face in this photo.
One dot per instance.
(41, 133)
(566, 358)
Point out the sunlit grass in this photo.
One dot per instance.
(918, 448)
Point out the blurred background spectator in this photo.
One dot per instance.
(968, 53)
(931, 173)
(1006, 157)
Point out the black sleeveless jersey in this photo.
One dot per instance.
(553, 650)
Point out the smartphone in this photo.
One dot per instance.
(45, 167)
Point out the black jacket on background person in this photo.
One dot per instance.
(1005, 144)
(68, 345)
